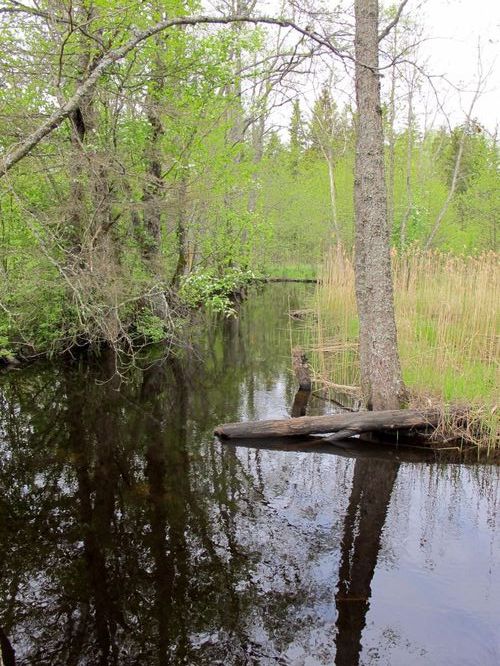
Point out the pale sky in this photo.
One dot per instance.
(455, 27)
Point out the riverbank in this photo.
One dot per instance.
(126, 530)
(446, 310)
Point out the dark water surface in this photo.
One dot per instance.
(129, 536)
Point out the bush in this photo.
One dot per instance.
(213, 291)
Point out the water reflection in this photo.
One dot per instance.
(372, 485)
(128, 536)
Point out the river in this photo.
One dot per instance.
(130, 536)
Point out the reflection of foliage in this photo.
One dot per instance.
(127, 536)
(118, 541)
(137, 549)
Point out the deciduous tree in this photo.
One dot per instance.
(381, 377)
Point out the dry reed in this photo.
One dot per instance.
(447, 317)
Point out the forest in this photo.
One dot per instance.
(248, 333)
(156, 158)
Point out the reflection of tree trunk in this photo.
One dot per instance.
(7, 655)
(372, 485)
(167, 472)
(96, 526)
(300, 403)
(96, 516)
(233, 353)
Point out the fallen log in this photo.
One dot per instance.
(352, 423)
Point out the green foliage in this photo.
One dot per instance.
(181, 170)
(150, 327)
(41, 318)
(5, 348)
(292, 271)
(297, 130)
(215, 292)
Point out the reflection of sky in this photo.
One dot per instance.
(435, 593)
(442, 590)
(436, 589)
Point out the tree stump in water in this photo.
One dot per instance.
(301, 369)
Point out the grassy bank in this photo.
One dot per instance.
(291, 271)
(446, 309)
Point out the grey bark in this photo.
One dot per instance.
(381, 379)
(352, 423)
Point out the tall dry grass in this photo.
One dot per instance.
(448, 333)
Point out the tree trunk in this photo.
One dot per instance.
(349, 424)
(333, 197)
(153, 189)
(381, 379)
(83, 124)
(180, 230)
(258, 129)
(409, 161)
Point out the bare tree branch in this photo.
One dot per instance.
(394, 21)
(117, 54)
(18, 8)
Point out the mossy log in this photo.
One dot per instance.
(340, 425)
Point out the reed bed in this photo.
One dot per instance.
(447, 317)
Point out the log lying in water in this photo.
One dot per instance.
(343, 425)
